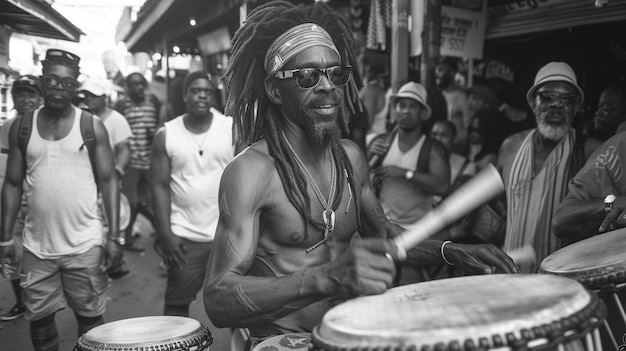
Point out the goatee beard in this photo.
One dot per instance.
(551, 132)
(322, 132)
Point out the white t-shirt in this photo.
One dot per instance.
(117, 127)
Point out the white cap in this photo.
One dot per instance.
(96, 86)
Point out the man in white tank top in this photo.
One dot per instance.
(66, 253)
(408, 183)
(188, 157)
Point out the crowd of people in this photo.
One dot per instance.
(279, 207)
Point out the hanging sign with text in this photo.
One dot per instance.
(463, 30)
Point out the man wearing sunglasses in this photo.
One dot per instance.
(65, 252)
(291, 203)
(537, 164)
(26, 94)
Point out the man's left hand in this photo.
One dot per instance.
(112, 254)
(479, 259)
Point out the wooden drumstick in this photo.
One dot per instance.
(478, 190)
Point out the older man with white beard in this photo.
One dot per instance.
(537, 164)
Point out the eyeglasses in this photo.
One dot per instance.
(51, 81)
(548, 97)
(307, 78)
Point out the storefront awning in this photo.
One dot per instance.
(160, 20)
(526, 17)
(37, 18)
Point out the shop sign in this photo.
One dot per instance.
(463, 27)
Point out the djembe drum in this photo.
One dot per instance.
(162, 333)
(489, 312)
(599, 263)
(285, 342)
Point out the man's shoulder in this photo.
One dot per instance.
(514, 141)
(251, 165)
(509, 148)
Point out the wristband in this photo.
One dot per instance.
(444, 256)
(6, 243)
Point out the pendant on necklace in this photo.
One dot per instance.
(201, 152)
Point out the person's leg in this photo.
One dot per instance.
(85, 324)
(44, 335)
(43, 297)
(85, 285)
(18, 309)
(145, 196)
(130, 188)
(183, 284)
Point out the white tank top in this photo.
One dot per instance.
(63, 217)
(404, 203)
(195, 178)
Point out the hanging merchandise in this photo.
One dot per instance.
(376, 28)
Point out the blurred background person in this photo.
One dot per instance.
(610, 116)
(141, 110)
(456, 98)
(95, 94)
(26, 94)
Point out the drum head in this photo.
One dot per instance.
(490, 310)
(594, 262)
(146, 333)
(285, 342)
(124, 212)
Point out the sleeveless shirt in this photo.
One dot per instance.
(195, 178)
(403, 203)
(63, 217)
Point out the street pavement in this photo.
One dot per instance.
(141, 294)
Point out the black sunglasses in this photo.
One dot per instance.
(547, 97)
(307, 78)
(51, 81)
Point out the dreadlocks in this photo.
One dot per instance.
(255, 116)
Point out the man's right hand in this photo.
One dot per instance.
(7, 257)
(616, 218)
(366, 268)
(378, 147)
(173, 250)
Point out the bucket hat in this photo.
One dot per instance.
(555, 72)
(414, 91)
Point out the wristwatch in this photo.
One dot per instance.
(409, 175)
(608, 203)
(120, 240)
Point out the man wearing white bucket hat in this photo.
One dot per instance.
(537, 164)
(412, 166)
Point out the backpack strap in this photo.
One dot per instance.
(89, 140)
(25, 128)
(424, 157)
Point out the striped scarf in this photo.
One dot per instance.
(532, 201)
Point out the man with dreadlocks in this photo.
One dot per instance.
(291, 203)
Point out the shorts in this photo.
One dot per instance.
(136, 186)
(77, 281)
(183, 284)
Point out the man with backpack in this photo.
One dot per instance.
(26, 94)
(412, 167)
(63, 155)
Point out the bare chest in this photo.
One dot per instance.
(284, 229)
